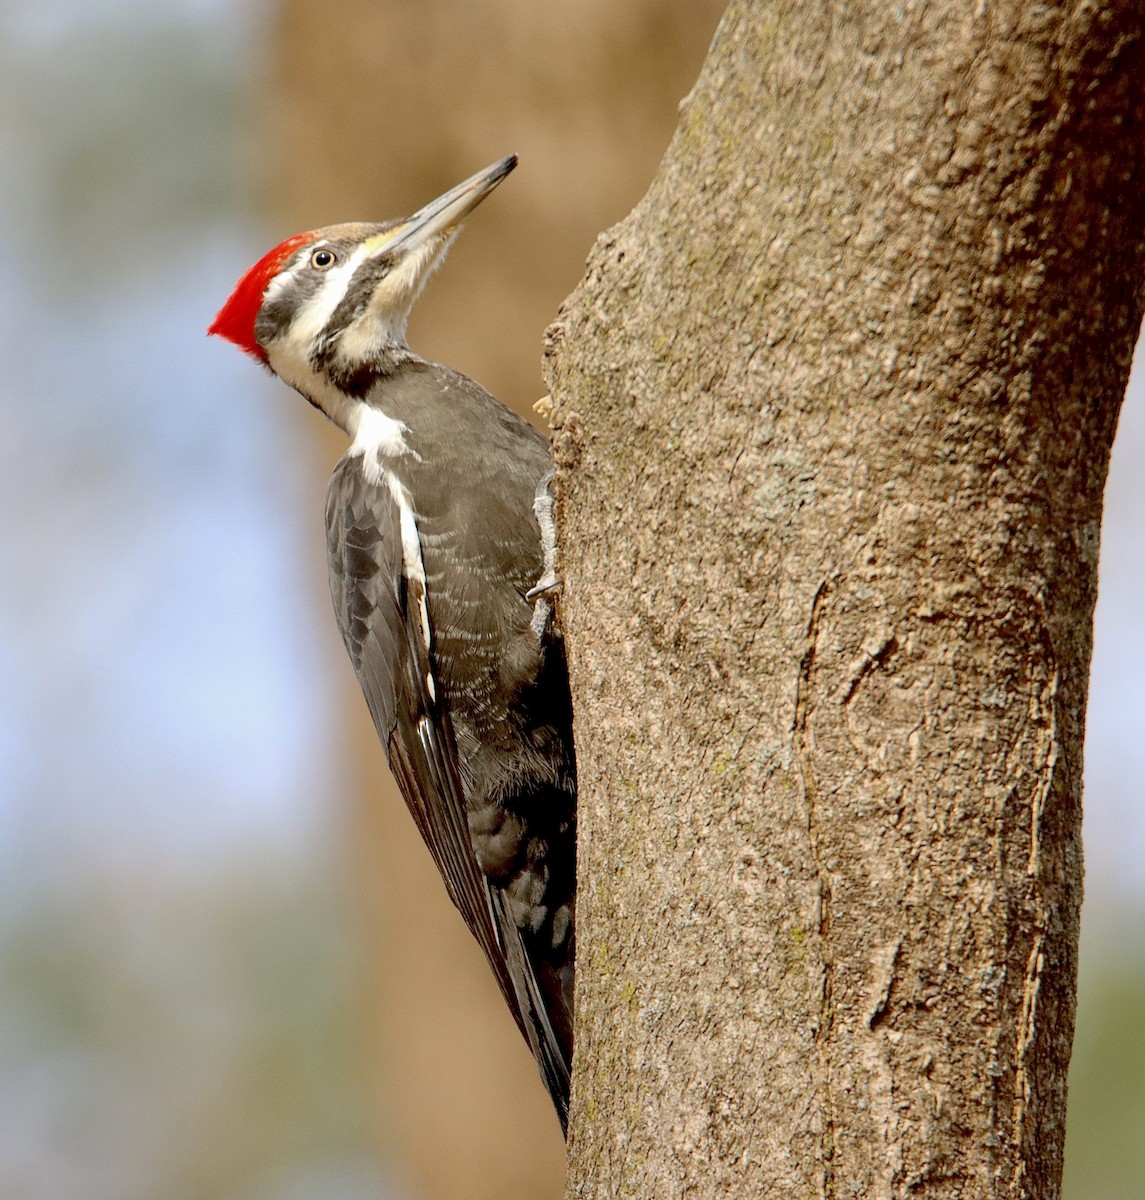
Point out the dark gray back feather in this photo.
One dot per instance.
(486, 766)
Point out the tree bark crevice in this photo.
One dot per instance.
(802, 760)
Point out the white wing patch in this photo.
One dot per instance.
(413, 568)
(377, 437)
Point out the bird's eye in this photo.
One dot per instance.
(322, 260)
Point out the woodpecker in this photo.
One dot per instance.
(440, 553)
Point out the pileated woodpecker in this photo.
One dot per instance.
(439, 528)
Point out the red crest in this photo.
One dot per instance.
(235, 320)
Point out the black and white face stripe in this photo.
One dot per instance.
(336, 314)
(359, 292)
(303, 297)
(342, 303)
(375, 309)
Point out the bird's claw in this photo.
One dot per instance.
(548, 587)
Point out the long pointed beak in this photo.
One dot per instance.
(442, 214)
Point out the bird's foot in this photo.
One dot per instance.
(545, 591)
(549, 584)
(548, 587)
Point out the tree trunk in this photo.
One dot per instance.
(834, 407)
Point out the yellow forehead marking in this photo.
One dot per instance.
(380, 240)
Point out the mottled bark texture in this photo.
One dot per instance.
(833, 411)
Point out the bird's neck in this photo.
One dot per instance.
(379, 439)
(339, 386)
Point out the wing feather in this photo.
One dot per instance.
(378, 607)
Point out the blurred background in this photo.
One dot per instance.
(196, 947)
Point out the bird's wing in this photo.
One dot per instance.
(380, 606)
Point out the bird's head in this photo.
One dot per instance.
(325, 306)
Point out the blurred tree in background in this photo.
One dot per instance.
(373, 110)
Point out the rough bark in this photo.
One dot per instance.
(833, 411)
